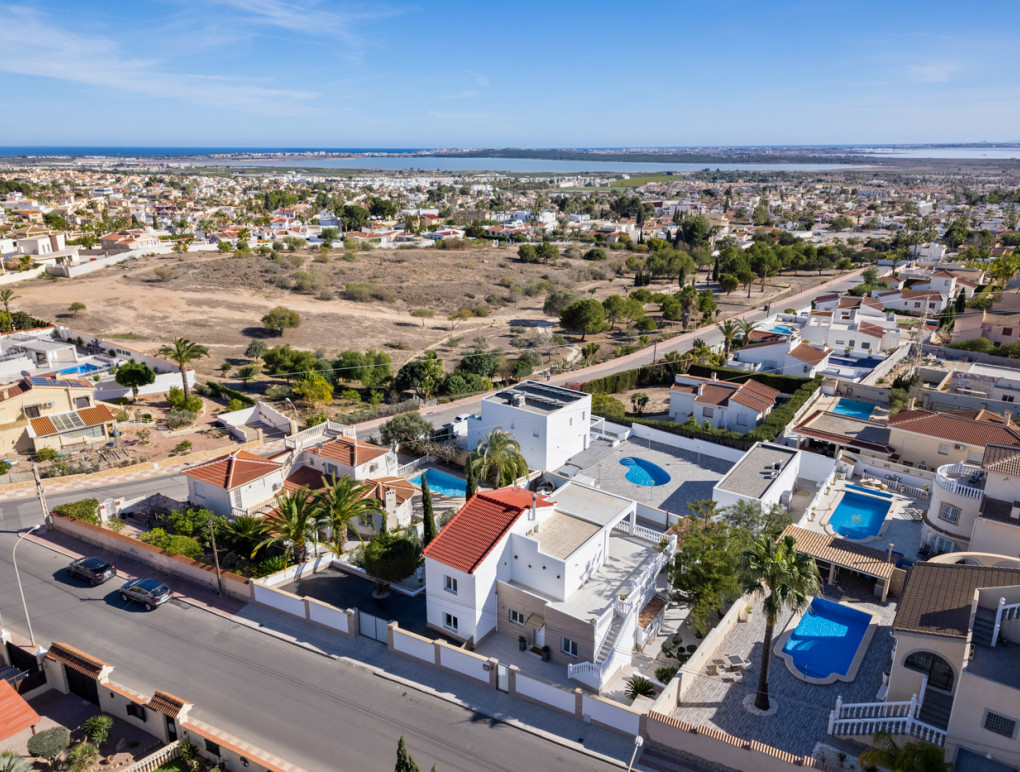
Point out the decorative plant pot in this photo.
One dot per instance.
(545, 653)
(522, 643)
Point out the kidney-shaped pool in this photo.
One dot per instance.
(641, 472)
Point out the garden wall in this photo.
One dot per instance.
(195, 571)
(343, 621)
(690, 444)
(695, 666)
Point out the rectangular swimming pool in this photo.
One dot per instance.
(442, 484)
(854, 408)
(827, 638)
(859, 516)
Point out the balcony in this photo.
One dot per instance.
(961, 479)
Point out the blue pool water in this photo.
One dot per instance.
(858, 516)
(826, 638)
(869, 490)
(641, 472)
(442, 484)
(852, 407)
(77, 370)
(782, 329)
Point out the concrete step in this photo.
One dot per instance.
(935, 709)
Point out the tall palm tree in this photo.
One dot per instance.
(910, 757)
(746, 327)
(6, 296)
(498, 459)
(784, 578)
(299, 520)
(344, 502)
(729, 331)
(182, 352)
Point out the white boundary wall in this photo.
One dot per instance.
(640, 431)
(414, 646)
(278, 599)
(326, 615)
(546, 693)
(464, 663)
(610, 714)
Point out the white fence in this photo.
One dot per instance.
(866, 718)
(465, 663)
(540, 691)
(611, 714)
(690, 444)
(944, 480)
(156, 760)
(414, 646)
(328, 616)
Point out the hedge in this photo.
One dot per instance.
(662, 375)
(86, 510)
(218, 390)
(786, 384)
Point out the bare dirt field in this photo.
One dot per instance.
(217, 300)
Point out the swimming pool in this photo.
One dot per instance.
(826, 639)
(859, 516)
(77, 369)
(782, 329)
(862, 489)
(853, 407)
(641, 472)
(442, 484)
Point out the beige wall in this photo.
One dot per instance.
(974, 696)
(905, 682)
(995, 537)
(13, 422)
(919, 449)
(557, 624)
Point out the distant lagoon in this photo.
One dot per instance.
(528, 165)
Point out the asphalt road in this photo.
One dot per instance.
(445, 413)
(316, 712)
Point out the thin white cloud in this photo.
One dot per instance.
(462, 95)
(939, 72)
(97, 61)
(480, 79)
(307, 18)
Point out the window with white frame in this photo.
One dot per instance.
(707, 412)
(516, 617)
(450, 622)
(450, 584)
(943, 450)
(568, 647)
(949, 513)
(1000, 724)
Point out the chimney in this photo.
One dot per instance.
(390, 497)
(888, 554)
(534, 506)
(715, 376)
(1008, 416)
(911, 403)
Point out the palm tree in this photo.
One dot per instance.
(910, 757)
(6, 296)
(247, 530)
(729, 331)
(298, 521)
(784, 578)
(345, 501)
(746, 328)
(12, 762)
(182, 352)
(498, 459)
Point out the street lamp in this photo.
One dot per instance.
(638, 742)
(17, 574)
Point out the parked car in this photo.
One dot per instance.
(149, 592)
(92, 570)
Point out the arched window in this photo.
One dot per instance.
(940, 672)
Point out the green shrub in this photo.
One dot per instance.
(234, 404)
(46, 454)
(607, 407)
(391, 558)
(177, 419)
(220, 390)
(665, 674)
(97, 728)
(639, 686)
(269, 566)
(49, 743)
(183, 545)
(86, 510)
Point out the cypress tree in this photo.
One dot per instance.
(404, 761)
(429, 531)
(472, 483)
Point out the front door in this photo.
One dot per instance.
(540, 637)
(84, 686)
(171, 729)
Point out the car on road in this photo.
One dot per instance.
(92, 570)
(149, 592)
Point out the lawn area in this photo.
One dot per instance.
(637, 180)
(177, 765)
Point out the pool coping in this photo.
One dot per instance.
(893, 502)
(422, 469)
(855, 663)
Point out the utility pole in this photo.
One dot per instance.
(42, 497)
(216, 557)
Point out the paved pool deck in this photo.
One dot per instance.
(692, 475)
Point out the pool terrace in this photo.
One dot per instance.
(798, 721)
(692, 475)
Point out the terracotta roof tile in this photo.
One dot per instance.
(16, 715)
(76, 659)
(349, 452)
(951, 427)
(651, 610)
(810, 354)
(167, 704)
(478, 527)
(938, 597)
(233, 469)
(842, 552)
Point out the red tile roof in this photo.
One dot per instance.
(810, 354)
(478, 527)
(16, 715)
(749, 393)
(349, 452)
(167, 704)
(76, 659)
(232, 470)
(954, 428)
(92, 416)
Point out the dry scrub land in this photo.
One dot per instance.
(218, 300)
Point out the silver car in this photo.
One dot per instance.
(149, 592)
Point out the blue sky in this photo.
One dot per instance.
(478, 74)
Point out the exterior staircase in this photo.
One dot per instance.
(935, 709)
(609, 641)
(984, 626)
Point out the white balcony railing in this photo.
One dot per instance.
(946, 478)
(866, 718)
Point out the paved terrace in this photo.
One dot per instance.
(691, 476)
(800, 711)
